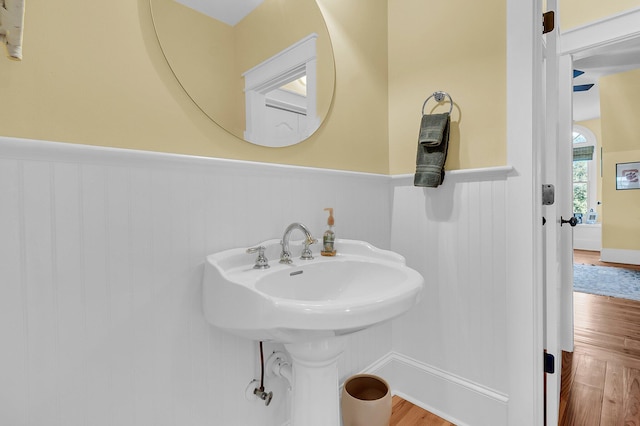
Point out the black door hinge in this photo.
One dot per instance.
(549, 363)
(548, 21)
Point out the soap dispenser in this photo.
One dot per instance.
(329, 237)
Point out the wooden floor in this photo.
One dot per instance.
(586, 257)
(406, 414)
(601, 379)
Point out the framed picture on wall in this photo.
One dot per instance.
(628, 175)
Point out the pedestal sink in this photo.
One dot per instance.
(310, 306)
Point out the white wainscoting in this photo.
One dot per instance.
(454, 343)
(587, 237)
(101, 257)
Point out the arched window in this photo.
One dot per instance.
(585, 186)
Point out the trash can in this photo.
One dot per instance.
(366, 401)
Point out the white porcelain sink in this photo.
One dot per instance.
(309, 299)
(310, 306)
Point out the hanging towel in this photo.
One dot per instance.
(433, 142)
(11, 23)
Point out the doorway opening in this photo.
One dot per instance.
(280, 96)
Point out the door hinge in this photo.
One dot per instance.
(548, 194)
(548, 21)
(549, 363)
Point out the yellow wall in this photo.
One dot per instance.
(619, 105)
(93, 73)
(458, 47)
(574, 13)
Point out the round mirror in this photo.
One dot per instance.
(261, 69)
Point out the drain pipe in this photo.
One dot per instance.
(278, 365)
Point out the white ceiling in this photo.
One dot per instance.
(228, 11)
(597, 62)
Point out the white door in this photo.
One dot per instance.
(565, 198)
(551, 229)
(557, 231)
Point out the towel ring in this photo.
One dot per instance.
(439, 97)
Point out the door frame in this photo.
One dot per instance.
(612, 29)
(524, 295)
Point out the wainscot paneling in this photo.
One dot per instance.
(587, 237)
(101, 257)
(451, 349)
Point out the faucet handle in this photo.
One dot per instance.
(261, 261)
(306, 252)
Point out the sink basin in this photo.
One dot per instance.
(310, 299)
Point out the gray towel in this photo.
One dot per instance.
(433, 142)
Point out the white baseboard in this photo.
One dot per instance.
(451, 397)
(631, 257)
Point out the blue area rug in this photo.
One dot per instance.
(607, 281)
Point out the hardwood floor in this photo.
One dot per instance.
(587, 257)
(406, 414)
(601, 378)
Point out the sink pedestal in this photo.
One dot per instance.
(315, 393)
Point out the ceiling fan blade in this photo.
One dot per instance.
(582, 87)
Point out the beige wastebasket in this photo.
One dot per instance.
(366, 401)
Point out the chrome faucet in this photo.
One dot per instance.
(285, 256)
